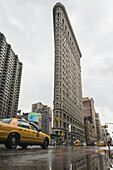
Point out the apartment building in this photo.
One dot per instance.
(88, 129)
(98, 127)
(46, 113)
(89, 114)
(10, 79)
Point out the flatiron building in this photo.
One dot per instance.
(10, 79)
(68, 117)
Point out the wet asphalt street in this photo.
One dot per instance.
(56, 158)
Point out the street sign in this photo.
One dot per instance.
(33, 117)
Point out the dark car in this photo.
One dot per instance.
(90, 143)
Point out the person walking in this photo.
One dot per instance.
(108, 140)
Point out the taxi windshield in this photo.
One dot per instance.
(5, 120)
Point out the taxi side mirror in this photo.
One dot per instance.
(39, 130)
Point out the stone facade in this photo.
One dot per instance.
(67, 79)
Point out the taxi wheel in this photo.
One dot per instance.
(45, 144)
(12, 141)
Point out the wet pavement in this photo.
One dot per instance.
(56, 158)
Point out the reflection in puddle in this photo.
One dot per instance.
(57, 158)
(90, 159)
(101, 160)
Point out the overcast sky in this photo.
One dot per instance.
(28, 27)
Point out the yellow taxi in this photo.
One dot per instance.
(15, 132)
(102, 152)
(77, 143)
(102, 143)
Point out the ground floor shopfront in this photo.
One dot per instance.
(68, 137)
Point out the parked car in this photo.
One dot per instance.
(90, 143)
(15, 132)
(102, 143)
(84, 144)
(77, 143)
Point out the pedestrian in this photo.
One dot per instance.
(108, 140)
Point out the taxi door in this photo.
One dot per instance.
(25, 132)
(37, 137)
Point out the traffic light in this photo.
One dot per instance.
(61, 135)
(57, 119)
(105, 126)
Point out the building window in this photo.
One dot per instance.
(62, 21)
(56, 132)
(64, 115)
(67, 118)
(57, 30)
(60, 123)
(60, 114)
(57, 41)
(64, 125)
(57, 35)
(23, 124)
(57, 105)
(57, 97)
(57, 57)
(57, 89)
(57, 70)
(57, 75)
(58, 14)
(57, 52)
(57, 83)
(56, 124)
(57, 63)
